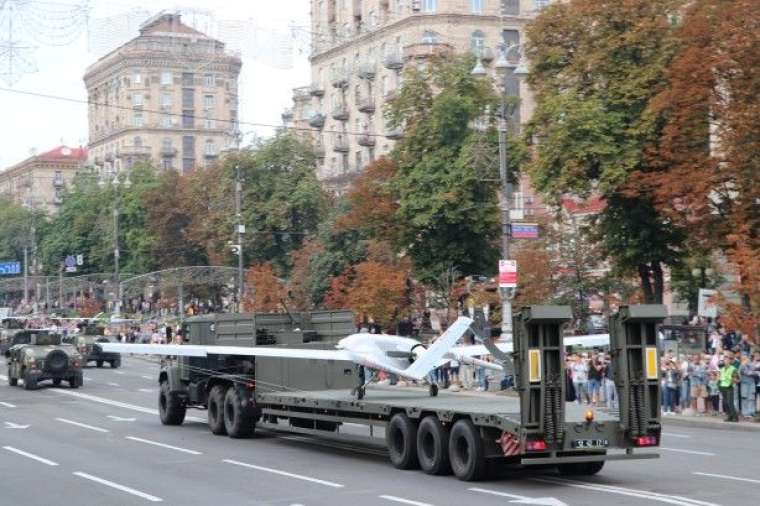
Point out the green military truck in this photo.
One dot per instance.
(38, 355)
(449, 433)
(86, 343)
(9, 327)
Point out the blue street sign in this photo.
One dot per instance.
(525, 230)
(10, 268)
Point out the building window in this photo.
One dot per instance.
(166, 121)
(477, 6)
(137, 99)
(477, 42)
(429, 5)
(510, 7)
(210, 149)
(137, 78)
(167, 78)
(188, 164)
(166, 164)
(188, 98)
(138, 120)
(208, 80)
(429, 37)
(137, 141)
(209, 124)
(188, 119)
(166, 144)
(166, 99)
(358, 155)
(188, 79)
(208, 102)
(540, 4)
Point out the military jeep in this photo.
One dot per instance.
(38, 355)
(87, 345)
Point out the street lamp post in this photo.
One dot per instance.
(116, 183)
(504, 65)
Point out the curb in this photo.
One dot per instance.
(696, 424)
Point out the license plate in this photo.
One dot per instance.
(590, 443)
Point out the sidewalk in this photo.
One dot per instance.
(708, 422)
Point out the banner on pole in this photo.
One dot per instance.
(10, 268)
(507, 274)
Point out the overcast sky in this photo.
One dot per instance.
(32, 123)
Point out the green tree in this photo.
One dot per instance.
(16, 225)
(596, 66)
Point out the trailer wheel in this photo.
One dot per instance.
(12, 381)
(56, 382)
(116, 363)
(238, 419)
(581, 468)
(30, 383)
(433, 446)
(216, 410)
(99, 364)
(466, 451)
(171, 409)
(401, 438)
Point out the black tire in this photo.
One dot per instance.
(216, 410)
(56, 382)
(115, 364)
(401, 438)
(433, 390)
(30, 383)
(12, 381)
(581, 468)
(238, 418)
(75, 382)
(466, 452)
(171, 409)
(433, 446)
(56, 362)
(99, 363)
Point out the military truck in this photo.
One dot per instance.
(86, 341)
(9, 327)
(38, 355)
(448, 433)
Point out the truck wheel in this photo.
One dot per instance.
(75, 382)
(216, 410)
(115, 364)
(466, 451)
(433, 446)
(171, 409)
(401, 438)
(12, 381)
(99, 363)
(238, 419)
(581, 468)
(30, 383)
(56, 382)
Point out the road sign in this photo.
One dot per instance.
(70, 263)
(10, 268)
(706, 306)
(525, 230)
(507, 274)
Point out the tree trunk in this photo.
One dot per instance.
(658, 281)
(646, 283)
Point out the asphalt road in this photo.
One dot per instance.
(104, 445)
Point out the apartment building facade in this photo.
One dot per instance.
(169, 96)
(360, 49)
(39, 181)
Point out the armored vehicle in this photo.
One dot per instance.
(86, 343)
(9, 327)
(38, 355)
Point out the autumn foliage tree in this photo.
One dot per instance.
(264, 290)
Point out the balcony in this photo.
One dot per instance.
(168, 151)
(140, 151)
(317, 90)
(340, 112)
(484, 53)
(58, 181)
(340, 144)
(366, 70)
(287, 115)
(394, 133)
(302, 94)
(339, 77)
(392, 60)
(366, 103)
(427, 49)
(316, 120)
(366, 140)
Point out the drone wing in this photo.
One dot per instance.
(438, 350)
(191, 350)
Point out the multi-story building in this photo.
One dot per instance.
(360, 48)
(169, 95)
(39, 181)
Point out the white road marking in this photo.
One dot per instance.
(8, 404)
(120, 419)
(641, 494)
(116, 486)
(83, 425)
(521, 499)
(690, 452)
(673, 434)
(11, 425)
(146, 390)
(147, 377)
(403, 501)
(163, 445)
(112, 384)
(30, 456)
(285, 473)
(120, 373)
(725, 477)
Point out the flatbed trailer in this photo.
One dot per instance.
(453, 432)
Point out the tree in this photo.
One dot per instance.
(16, 223)
(446, 214)
(265, 291)
(372, 202)
(596, 65)
(536, 268)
